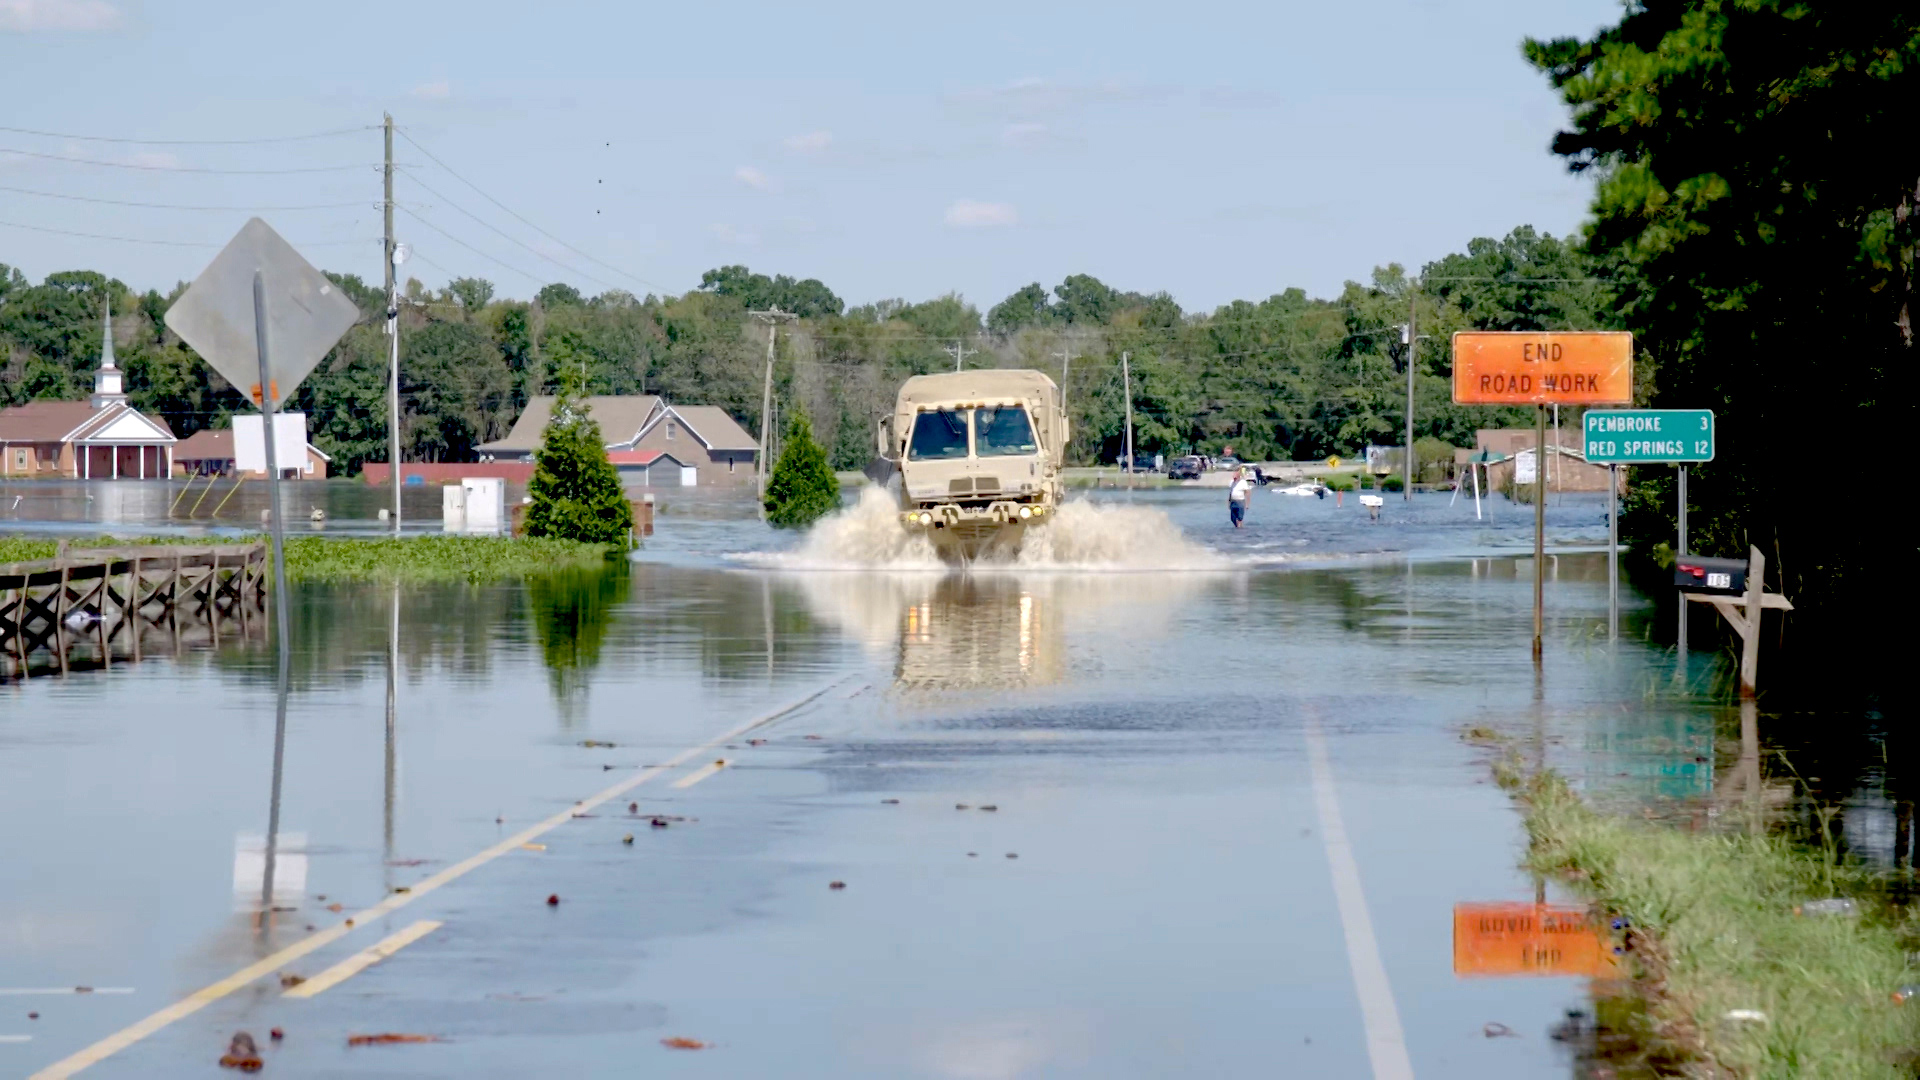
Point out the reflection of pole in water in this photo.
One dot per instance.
(393, 682)
(766, 611)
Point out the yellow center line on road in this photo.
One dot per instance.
(362, 960)
(207, 995)
(699, 774)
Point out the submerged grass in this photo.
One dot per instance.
(1714, 929)
(411, 559)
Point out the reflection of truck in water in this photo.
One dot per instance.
(978, 455)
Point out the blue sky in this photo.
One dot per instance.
(1217, 151)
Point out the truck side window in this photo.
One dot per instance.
(1004, 430)
(940, 434)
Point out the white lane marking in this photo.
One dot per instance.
(207, 995)
(699, 774)
(362, 960)
(1386, 1042)
(25, 991)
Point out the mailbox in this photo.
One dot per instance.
(1695, 573)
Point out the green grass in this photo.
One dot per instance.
(1715, 930)
(413, 559)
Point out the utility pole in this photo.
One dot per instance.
(393, 330)
(959, 352)
(1126, 379)
(1066, 368)
(1413, 346)
(773, 317)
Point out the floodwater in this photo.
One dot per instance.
(1164, 799)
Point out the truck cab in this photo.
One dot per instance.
(978, 454)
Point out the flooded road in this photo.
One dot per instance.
(1172, 800)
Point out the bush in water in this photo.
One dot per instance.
(576, 492)
(802, 488)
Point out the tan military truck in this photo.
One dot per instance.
(978, 455)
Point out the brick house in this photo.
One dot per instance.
(649, 441)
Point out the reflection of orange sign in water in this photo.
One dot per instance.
(1523, 367)
(1529, 939)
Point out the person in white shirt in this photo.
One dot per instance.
(1237, 497)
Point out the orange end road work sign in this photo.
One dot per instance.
(1529, 939)
(1526, 367)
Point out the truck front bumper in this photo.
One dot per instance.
(948, 515)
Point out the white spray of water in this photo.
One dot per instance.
(1081, 536)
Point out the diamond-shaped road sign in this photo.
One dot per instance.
(306, 313)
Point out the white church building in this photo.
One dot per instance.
(104, 438)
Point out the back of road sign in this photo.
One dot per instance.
(306, 313)
(1648, 436)
(1526, 367)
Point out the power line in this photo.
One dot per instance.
(496, 261)
(163, 243)
(183, 168)
(511, 238)
(524, 221)
(191, 142)
(182, 206)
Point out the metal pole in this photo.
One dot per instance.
(1413, 346)
(393, 337)
(772, 318)
(1126, 378)
(1539, 528)
(283, 617)
(1681, 642)
(1613, 551)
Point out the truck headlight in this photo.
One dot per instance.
(926, 518)
(1026, 512)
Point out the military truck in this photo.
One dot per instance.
(978, 455)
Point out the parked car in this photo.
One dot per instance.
(1227, 463)
(1184, 468)
(1142, 462)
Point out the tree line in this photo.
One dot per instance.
(1285, 377)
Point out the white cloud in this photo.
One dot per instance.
(728, 234)
(437, 90)
(753, 178)
(813, 142)
(1023, 134)
(29, 16)
(973, 214)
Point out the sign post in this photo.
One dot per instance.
(225, 316)
(1619, 437)
(1541, 368)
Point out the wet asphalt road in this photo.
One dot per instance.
(1144, 738)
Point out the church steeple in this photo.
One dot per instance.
(107, 388)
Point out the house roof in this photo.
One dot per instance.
(69, 421)
(208, 444)
(709, 423)
(620, 419)
(640, 457)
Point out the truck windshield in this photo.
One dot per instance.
(940, 434)
(1003, 430)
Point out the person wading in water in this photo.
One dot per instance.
(1237, 496)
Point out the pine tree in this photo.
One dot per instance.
(802, 488)
(576, 492)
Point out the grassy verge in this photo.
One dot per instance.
(1714, 930)
(413, 559)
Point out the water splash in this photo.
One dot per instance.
(1082, 536)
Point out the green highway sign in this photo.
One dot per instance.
(1648, 436)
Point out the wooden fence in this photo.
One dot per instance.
(77, 609)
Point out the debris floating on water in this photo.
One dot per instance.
(553, 900)
(836, 884)
(681, 1042)
(1497, 1030)
(241, 1054)
(389, 1038)
(288, 978)
(627, 839)
(889, 802)
(276, 1034)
